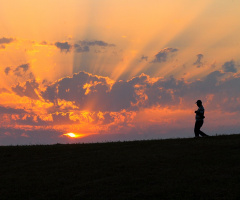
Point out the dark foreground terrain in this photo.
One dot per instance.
(204, 168)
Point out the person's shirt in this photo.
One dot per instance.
(200, 113)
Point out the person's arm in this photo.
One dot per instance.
(200, 112)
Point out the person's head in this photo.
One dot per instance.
(199, 103)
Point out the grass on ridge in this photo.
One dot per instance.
(203, 168)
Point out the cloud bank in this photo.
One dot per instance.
(94, 105)
(85, 89)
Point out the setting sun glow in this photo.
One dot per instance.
(72, 135)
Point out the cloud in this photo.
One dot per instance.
(21, 69)
(4, 90)
(44, 43)
(96, 43)
(144, 58)
(84, 46)
(8, 110)
(92, 92)
(7, 70)
(18, 71)
(32, 120)
(4, 41)
(63, 46)
(28, 89)
(229, 67)
(81, 49)
(163, 55)
(81, 46)
(35, 120)
(61, 118)
(18, 136)
(199, 60)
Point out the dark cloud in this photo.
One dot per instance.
(17, 136)
(21, 69)
(8, 110)
(144, 58)
(96, 43)
(50, 93)
(107, 118)
(60, 119)
(32, 120)
(198, 62)
(164, 92)
(35, 120)
(229, 67)
(81, 49)
(7, 70)
(84, 89)
(163, 55)
(44, 43)
(63, 46)
(28, 89)
(94, 93)
(122, 96)
(84, 46)
(18, 71)
(4, 41)
(4, 90)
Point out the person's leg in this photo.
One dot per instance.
(200, 132)
(197, 128)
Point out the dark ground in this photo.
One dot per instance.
(204, 168)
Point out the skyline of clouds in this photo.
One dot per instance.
(115, 106)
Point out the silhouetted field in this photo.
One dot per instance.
(204, 168)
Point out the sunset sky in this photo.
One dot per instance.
(114, 70)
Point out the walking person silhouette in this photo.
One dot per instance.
(199, 120)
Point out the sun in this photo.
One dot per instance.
(72, 135)
(75, 135)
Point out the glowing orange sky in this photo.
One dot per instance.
(183, 49)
